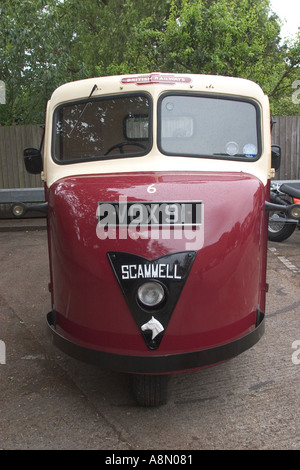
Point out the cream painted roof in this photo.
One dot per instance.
(114, 84)
(155, 84)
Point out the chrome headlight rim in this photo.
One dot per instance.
(142, 295)
(295, 211)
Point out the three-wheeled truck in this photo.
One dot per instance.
(156, 188)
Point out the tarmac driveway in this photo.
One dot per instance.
(50, 401)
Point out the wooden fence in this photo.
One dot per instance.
(13, 140)
(286, 134)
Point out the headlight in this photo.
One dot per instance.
(151, 294)
(295, 211)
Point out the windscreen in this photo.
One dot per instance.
(109, 127)
(206, 126)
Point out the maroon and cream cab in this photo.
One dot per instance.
(156, 187)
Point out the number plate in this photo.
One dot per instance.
(150, 214)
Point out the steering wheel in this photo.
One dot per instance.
(121, 146)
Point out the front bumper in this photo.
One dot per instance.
(156, 364)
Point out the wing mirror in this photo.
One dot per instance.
(33, 161)
(276, 156)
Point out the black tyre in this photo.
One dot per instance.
(150, 390)
(278, 229)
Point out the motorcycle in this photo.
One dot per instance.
(281, 226)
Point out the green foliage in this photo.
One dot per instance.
(32, 63)
(46, 43)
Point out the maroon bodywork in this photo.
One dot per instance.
(224, 293)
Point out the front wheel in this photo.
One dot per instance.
(150, 390)
(278, 229)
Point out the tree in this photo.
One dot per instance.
(31, 61)
(283, 93)
(225, 37)
(46, 43)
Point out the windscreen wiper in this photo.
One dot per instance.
(88, 103)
